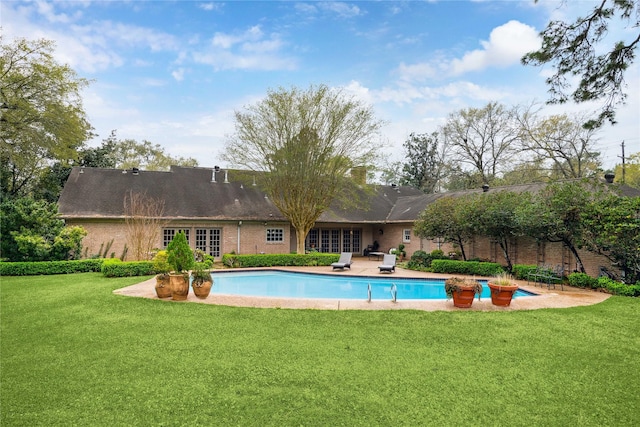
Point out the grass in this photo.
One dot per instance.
(73, 353)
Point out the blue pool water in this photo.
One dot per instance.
(301, 285)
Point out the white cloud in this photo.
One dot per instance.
(178, 74)
(248, 50)
(341, 9)
(507, 43)
(210, 6)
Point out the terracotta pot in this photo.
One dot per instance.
(163, 286)
(463, 298)
(202, 290)
(502, 295)
(179, 287)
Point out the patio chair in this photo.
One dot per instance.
(343, 262)
(388, 263)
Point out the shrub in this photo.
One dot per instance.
(160, 263)
(466, 267)
(116, 268)
(180, 254)
(618, 288)
(49, 267)
(523, 271)
(582, 280)
(275, 260)
(421, 260)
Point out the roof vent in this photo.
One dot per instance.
(135, 171)
(609, 177)
(485, 188)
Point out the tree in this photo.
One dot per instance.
(424, 168)
(567, 147)
(631, 173)
(128, 153)
(612, 229)
(391, 173)
(144, 221)
(575, 49)
(305, 142)
(556, 213)
(483, 139)
(41, 113)
(446, 218)
(52, 179)
(495, 215)
(31, 230)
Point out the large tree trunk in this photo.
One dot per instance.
(574, 251)
(459, 242)
(301, 235)
(505, 251)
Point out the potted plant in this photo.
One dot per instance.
(161, 267)
(201, 282)
(180, 258)
(502, 289)
(401, 252)
(462, 290)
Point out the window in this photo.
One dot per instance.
(406, 235)
(275, 235)
(208, 240)
(169, 233)
(351, 240)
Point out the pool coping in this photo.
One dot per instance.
(544, 298)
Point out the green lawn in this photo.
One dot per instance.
(73, 353)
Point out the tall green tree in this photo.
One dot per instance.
(612, 229)
(129, 153)
(304, 142)
(31, 230)
(576, 49)
(630, 173)
(424, 167)
(41, 113)
(495, 215)
(446, 218)
(556, 213)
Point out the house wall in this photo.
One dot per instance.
(253, 239)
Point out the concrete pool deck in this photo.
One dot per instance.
(546, 298)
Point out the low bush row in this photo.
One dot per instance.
(50, 267)
(114, 267)
(582, 280)
(471, 268)
(279, 260)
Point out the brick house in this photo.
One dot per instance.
(223, 211)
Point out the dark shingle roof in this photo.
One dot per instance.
(191, 193)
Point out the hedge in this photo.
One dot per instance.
(582, 280)
(50, 267)
(466, 267)
(618, 288)
(115, 268)
(279, 260)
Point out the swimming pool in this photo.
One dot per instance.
(283, 284)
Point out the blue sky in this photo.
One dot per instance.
(173, 72)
